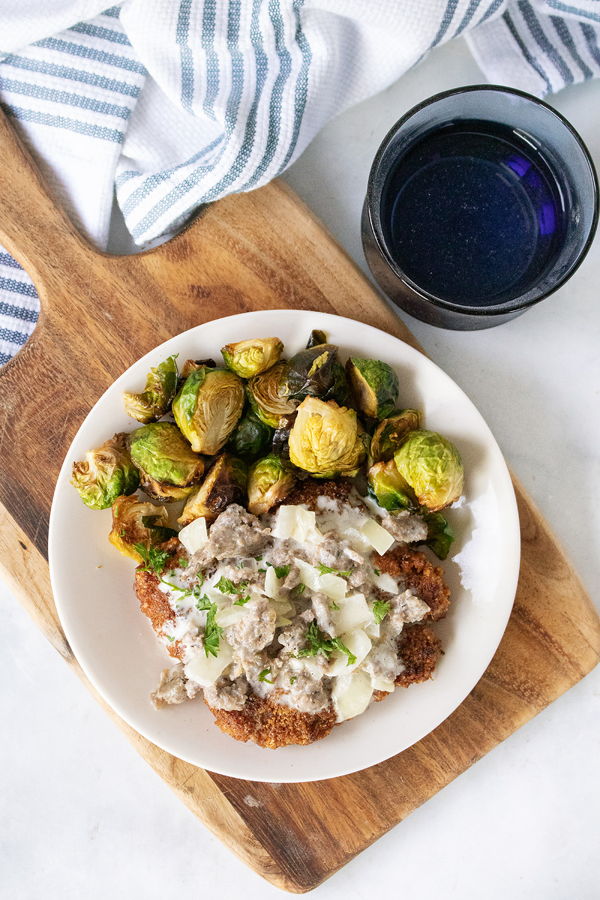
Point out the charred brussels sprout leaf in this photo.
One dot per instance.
(250, 437)
(269, 481)
(248, 358)
(167, 464)
(325, 439)
(389, 488)
(440, 534)
(374, 385)
(268, 395)
(190, 365)
(316, 337)
(316, 372)
(281, 436)
(432, 466)
(157, 396)
(390, 433)
(136, 522)
(105, 474)
(224, 484)
(208, 406)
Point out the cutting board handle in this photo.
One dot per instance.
(33, 226)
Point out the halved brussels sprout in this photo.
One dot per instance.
(389, 487)
(325, 439)
(316, 337)
(208, 406)
(135, 521)
(390, 433)
(190, 365)
(105, 473)
(316, 372)
(224, 484)
(432, 467)
(156, 398)
(374, 385)
(270, 480)
(248, 358)
(268, 395)
(440, 534)
(168, 466)
(250, 437)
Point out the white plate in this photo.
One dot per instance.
(115, 644)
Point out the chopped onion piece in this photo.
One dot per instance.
(297, 523)
(205, 670)
(309, 575)
(351, 694)
(382, 684)
(386, 583)
(353, 612)
(271, 583)
(380, 539)
(358, 643)
(333, 586)
(194, 536)
(230, 615)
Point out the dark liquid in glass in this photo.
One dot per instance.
(473, 213)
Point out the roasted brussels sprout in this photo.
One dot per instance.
(440, 534)
(432, 466)
(268, 395)
(270, 480)
(316, 337)
(250, 437)
(281, 436)
(390, 433)
(248, 358)
(105, 473)
(316, 372)
(157, 396)
(389, 487)
(224, 484)
(168, 466)
(190, 365)
(137, 523)
(374, 385)
(208, 406)
(325, 439)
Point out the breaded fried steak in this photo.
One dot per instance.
(286, 655)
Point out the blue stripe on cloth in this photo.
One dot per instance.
(28, 89)
(492, 8)
(185, 54)
(231, 114)
(40, 118)
(445, 22)
(18, 312)
(15, 337)
(17, 287)
(562, 30)
(591, 38)
(469, 13)
(209, 21)
(101, 56)
(301, 94)
(71, 74)
(107, 34)
(114, 12)
(506, 18)
(539, 36)
(7, 260)
(574, 10)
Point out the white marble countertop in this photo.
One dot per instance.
(82, 814)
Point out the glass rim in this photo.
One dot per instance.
(374, 194)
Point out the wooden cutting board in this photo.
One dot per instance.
(99, 314)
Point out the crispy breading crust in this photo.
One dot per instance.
(270, 725)
(153, 602)
(311, 489)
(425, 579)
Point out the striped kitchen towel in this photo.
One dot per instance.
(174, 103)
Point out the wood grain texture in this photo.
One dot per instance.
(260, 250)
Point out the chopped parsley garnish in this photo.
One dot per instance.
(318, 642)
(262, 676)
(241, 601)
(153, 558)
(228, 587)
(258, 558)
(182, 562)
(299, 589)
(377, 571)
(327, 570)
(293, 679)
(212, 632)
(280, 571)
(262, 571)
(380, 610)
(169, 638)
(203, 603)
(334, 605)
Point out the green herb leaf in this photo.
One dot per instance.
(298, 590)
(241, 601)
(228, 587)
(280, 571)
(327, 570)
(377, 571)
(203, 604)
(293, 679)
(380, 610)
(182, 562)
(212, 632)
(262, 676)
(154, 558)
(334, 605)
(318, 642)
(169, 638)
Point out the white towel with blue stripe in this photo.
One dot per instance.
(175, 103)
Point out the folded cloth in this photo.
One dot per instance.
(175, 103)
